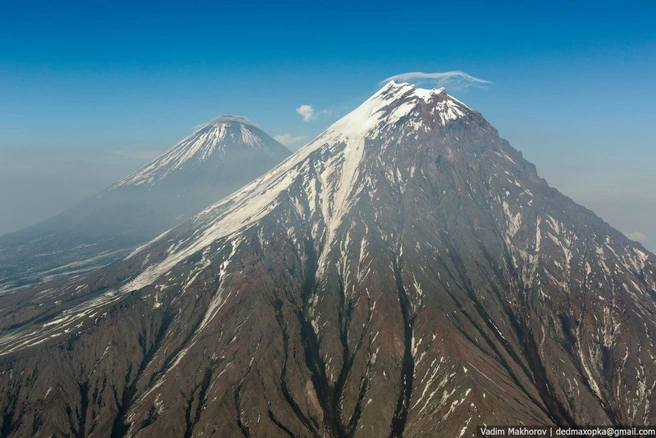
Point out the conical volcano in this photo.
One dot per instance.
(405, 274)
(215, 160)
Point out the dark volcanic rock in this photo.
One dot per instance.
(405, 274)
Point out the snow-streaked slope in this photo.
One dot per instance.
(214, 161)
(328, 170)
(210, 140)
(341, 146)
(405, 274)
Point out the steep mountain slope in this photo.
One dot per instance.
(211, 163)
(405, 274)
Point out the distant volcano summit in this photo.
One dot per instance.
(405, 274)
(217, 153)
(215, 160)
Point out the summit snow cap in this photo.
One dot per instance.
(397, 101)
(209, 141)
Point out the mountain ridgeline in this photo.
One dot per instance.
(405, 274)
(211, 163)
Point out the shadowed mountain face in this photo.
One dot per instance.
(214, 161)
(406, 274)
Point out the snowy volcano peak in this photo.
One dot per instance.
(393, 88)
(385, 280)
(331, 172)
(400, 103)
(210, 143)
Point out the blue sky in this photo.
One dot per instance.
(90, 90)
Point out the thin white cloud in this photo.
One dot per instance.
(637, 236)
(455, 80)
(288, 139)
(307, 112)
(226, 118)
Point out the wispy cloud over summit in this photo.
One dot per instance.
(455, 80)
